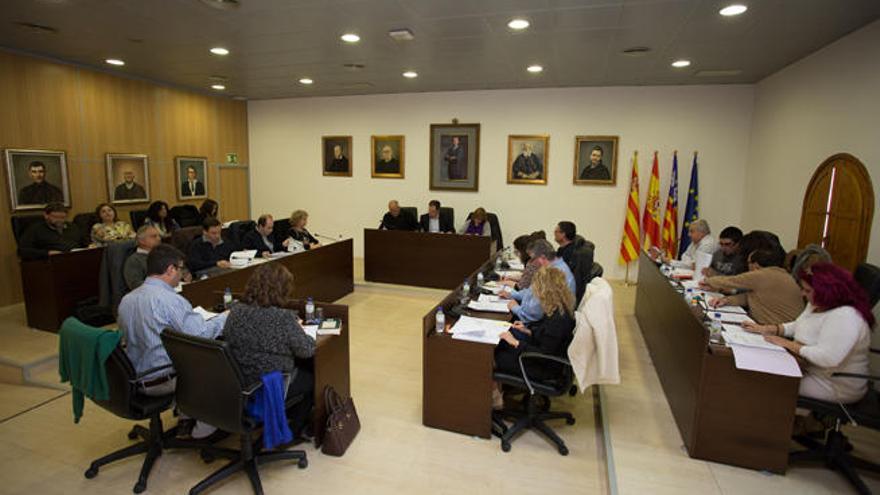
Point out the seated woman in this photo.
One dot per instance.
(832, 335)
(209, 208)
(264, 337)
(110, 228)
(769, 291)
(157, 216)
(550, 335)
(523, 280)
(477, 224)
(298, 221)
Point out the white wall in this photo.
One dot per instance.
(285, 150)
(827, 103)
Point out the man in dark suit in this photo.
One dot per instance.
(339, 162)
(129, 189)
(387, 163)
(262, 238)
(192, 186)
(53, 236)
(596, 170)
(456, 160)
(210, 250)
(39, 192)
(433, 221)
(395, 219)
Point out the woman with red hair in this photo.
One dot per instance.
(833, 334)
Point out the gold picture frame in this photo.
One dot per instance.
(388, 157)
(602, 172)
(528, 159)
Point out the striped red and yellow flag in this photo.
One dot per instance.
(651, 218)
(629, 244)
(670, 217)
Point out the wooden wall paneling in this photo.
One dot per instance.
(234, 198)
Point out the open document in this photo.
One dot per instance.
(479, 330)
(751, 352)
(207, 315)
(491, 304)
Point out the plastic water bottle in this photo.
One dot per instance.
(480, 280)
(440, 320)
(498, 263)
(715, 329)
(310, 309)
(689, 296)
(227, 297)
(466, 288)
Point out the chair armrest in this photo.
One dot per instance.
(857, 375)
(537, 355)
(141, 376)
(250, 389)
(874, 350)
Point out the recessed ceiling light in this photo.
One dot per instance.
(678, 64)
(534, 69)
(732, 10)
(219, 50)
(410, 74)
(518, 24)
(401, 35)
(218, 87)
(350, 38)
(114, 61)
(306, 81)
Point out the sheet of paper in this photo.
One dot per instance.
(516, 264)
(479, 330)
(703, 261)
(728, 317)
(682, 273)
(507, 273)
(765, 361)
(737, 310)
(493, 287)
(735, 335)
(489, 306)
(329, 331)
(311, 331)
(246, 254)
(279, 254)
(207, 315)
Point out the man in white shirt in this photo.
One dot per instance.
(701, 242)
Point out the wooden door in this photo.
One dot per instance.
(234, 194)
(838, 209)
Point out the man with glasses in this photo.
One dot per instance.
(727, 260)
(151, 308)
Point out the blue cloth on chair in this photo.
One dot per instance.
(267, 405)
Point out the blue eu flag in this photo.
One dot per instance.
(692, 210)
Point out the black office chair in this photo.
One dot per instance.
(22, 222)
(536, 401)
(138, 217)
(868, 276)
(84, 222)
(127, 402)
(237, 230)
(412, 211)
(495, 227)
(210, 389)
(447, 212)
(582, 266)
(185, 215)
(183, 238)
(281, 228)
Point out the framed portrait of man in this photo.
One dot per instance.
(528, 159)
(595, 160)
(36, 178)
(128, 178)
(336, 156)
(388, 156)
(192, 176)
(455, 157)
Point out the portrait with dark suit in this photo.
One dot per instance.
(192, 176)
(336, 155)
(388, 156)
(36, 178)
(595, 160)
(527, 159)
(455, 157)
(128, 178)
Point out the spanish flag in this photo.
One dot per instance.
(651, 218)
(629, 244)
(670, 218)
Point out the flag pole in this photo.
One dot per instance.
(626, 281)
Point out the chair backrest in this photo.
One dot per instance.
(84, 222)
(22, 223)
(183, 238)
(412, 211)
(120, 379)
(447, 212)
(137, 218)
(281, 228)
(582, 269)
(496, 230)
(596, 271)
(209, 383)
(185, 215)
(868, 276)
(237, 230)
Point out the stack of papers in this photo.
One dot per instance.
(507, 273)
(516, 264)
(492, 304)
(765, 361)
(493, 287)
(207, 315)
(682, 273)
(479, 330)
(735, 335)
(311, 331)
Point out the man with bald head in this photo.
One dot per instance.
(387, 162)
(135, 269)
(396, 219)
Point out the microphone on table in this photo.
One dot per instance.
(322, 236)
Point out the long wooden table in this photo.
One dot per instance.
(422, 259)
(53, 286)
(457, 374)
(325, 274)
(724, 414)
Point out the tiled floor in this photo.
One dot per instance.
(45, 452)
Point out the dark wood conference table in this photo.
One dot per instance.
(457, 374)
(325, 274)
(724, 414)
(52, 287)
(422, 259)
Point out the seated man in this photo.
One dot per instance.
(210, 251)
(569, 242)
(151, 308)
(433, 222)
(262, 238)
(701, 242)
(727, 260)
(54, 236)
(135, 269)
(395, 219)
(524, 305)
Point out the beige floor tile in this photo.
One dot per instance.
(17, 398)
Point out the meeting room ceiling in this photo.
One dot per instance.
(457, 44)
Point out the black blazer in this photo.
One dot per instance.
(184, 189)
(253, 240)
(203, 255)
(445, 224)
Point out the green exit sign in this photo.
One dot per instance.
(232, 158)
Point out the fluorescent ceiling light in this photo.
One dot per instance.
(306, 81)
(518, 24)
(219, 50)
(115, 61)
(218, 87)
(534, 69)
(678, 64)
(410, 74)
(350, 38)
